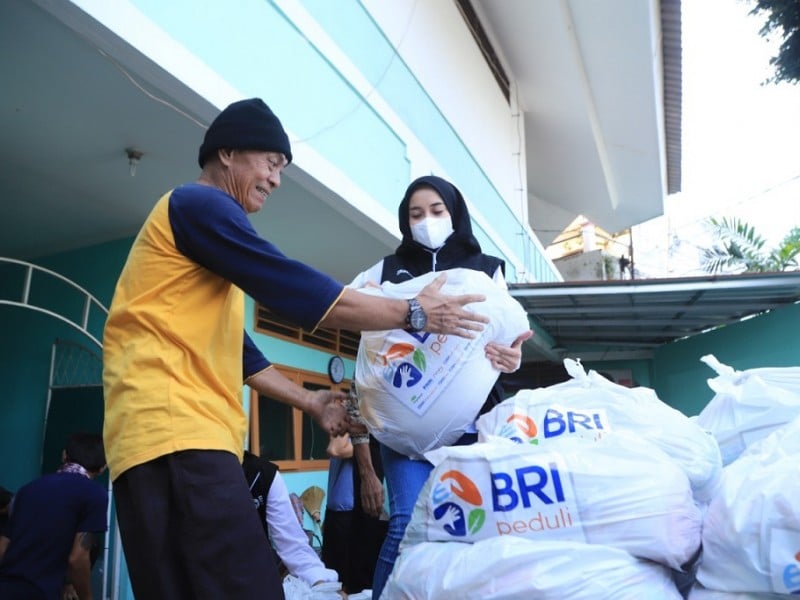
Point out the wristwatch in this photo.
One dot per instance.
(416, 319)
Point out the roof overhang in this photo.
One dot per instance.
(630, 319)
(599, 84)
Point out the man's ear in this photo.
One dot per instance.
(225, 156)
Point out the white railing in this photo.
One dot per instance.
(24, 301)
(89, 302)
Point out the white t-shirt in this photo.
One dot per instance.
(291, 542)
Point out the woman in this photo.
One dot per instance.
(437, 235)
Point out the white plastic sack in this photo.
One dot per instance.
(514, 568)
(748, 405)
(617, 491)
(419, 391)
(751, 530)
(297, 589)
(698, 592)
(589, 405)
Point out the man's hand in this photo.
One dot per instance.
(371, 494)
(326, 407)
(507, 358)
(446, 314)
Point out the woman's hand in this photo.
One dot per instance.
(507, 359)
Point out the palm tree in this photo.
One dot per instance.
(740, 249)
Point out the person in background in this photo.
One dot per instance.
(280, 523)
(370, 518)
(437, 235)
(176, 356)
(56, 521)
(354, 526)
(339, 539)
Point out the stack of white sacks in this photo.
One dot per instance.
(582, 490)
(751, 530)
(585, 489)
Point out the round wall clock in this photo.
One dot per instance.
(336, 369)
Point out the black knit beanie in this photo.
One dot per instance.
(245, 125)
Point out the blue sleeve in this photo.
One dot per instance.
(213, 230)
(253, 360)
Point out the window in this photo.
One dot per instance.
(285, 435)
(336, 341)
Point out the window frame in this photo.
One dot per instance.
(296, 463)
(334, 341)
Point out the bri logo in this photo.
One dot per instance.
(521, 428)
(524, 500)
(403, 365)
(451, 514)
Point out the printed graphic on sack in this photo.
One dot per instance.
(417, 369)
(557, 421)
(473, 500)
(785, 559)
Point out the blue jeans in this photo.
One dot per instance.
(405, 479)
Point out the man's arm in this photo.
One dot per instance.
(79, 567)
(371, 486)
(446, 314)
(324, 406)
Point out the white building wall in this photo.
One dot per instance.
(461, 84)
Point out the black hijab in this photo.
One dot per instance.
(412, 259)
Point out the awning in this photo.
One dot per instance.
(630, 318)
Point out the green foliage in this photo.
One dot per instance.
(740, 249)
(782, 18)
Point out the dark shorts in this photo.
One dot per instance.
(189, 530)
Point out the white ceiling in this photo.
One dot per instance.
(67, 113)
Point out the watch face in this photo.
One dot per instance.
(336, 369)
(418, 319)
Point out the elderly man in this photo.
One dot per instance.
(176, 356)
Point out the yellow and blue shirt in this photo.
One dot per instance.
(175, 353)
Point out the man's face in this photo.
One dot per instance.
(253, 175)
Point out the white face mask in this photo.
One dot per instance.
(432, 233)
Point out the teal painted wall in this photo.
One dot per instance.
(769, 340)
(29, 336)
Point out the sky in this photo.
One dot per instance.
(740, 140)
